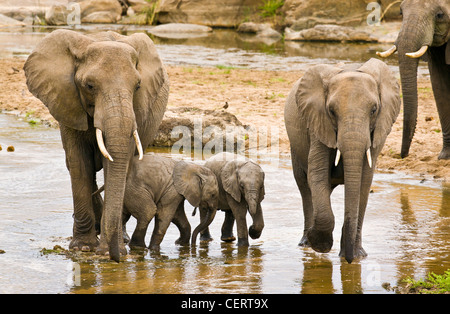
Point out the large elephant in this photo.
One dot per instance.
(337, 122)
(424, 33)
(109, 93)
(241, 190)
(158, 186)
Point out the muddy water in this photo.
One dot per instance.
(406, 233)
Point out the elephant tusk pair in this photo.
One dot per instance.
(368, 154)
(414, 55)
(104, 151)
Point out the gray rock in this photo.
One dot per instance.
(329, 33)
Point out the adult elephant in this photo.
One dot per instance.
(424, 33)
(337, 122)
(109, 93)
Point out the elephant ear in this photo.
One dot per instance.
(389, 93)
(50, 71)
(188, 182)
(311, 99)
(229, 179)
(151, 99)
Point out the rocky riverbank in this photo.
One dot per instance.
(294, 20)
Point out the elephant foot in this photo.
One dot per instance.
(304, 241)
(243, 242)
(360, 253)
(254, 233)
(182, 242)
(84, 243)
(445, 153)
(320, 241)
(228, 239)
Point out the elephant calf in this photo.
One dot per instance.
(337, 121)
(241, 189)
(157, 186)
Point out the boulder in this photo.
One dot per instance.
(304, 14)
(7, 21)
(100, 11)
(91, 11)
(226, 13)
(211, 127)
(180, 30)
(261, 30)
(329, 33)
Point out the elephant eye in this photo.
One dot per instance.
(138, 86)
(440, 15)
(374, 109)
(90, 86)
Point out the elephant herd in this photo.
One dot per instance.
(109, 93)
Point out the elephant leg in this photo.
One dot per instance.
(440, 81)
(227, 227)
(139, 203)
(320, 235)
(78, 147)
(205, 235)
(239, 211)
(305, 192)
(165, 214)
(180, 220)
(146, 214)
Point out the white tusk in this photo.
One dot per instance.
(369, 158)
(138, 144)
(387, 53)
(418, 53)
(338, 157)
(101, 145)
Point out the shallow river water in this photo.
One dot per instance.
(406, 233)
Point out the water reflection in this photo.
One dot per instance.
(406, 233)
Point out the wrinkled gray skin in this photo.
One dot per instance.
(328, 109)
(104, 81)
(157, 186)
(425, 23)
(241, 190)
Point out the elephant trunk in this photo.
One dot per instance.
(118, 126)
(415, 34)
(208, 219)
(254, 208)
(355, 146)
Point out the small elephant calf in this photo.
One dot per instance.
(241, 189)
(157, 186)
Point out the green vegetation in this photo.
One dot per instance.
(270, 7)
(434, 284)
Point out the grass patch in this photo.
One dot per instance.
(433, 284)
(270, 7)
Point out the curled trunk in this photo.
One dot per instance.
(208, 219)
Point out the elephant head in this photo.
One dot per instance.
(245, 180)
(351, 112)
(109, 83)
(425, 24)
(199, 186)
